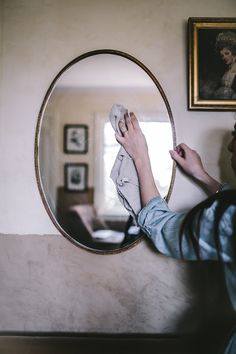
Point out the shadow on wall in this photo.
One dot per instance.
(226, 172)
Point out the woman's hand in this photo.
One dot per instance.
(189, 160)
(135, 144)
(191, 163)
(133, 139)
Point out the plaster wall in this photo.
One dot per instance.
(46, 282)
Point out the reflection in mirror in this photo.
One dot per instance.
(76, 146)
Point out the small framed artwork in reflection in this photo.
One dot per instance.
(212, 63)
(76, 177)
(75, 139)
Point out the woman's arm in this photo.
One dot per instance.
(156, 219)
(188, 160)
(135, 144)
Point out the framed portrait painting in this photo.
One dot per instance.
(212, 63)
(75, 139)
(76, 177)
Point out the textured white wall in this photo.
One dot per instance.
(47, 283)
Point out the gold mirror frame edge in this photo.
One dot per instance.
(37, 133)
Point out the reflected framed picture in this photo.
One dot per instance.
(76, 177)
(75, 139)
(212, 63)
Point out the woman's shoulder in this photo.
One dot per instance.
(227, 197)
(227, 203)
(225, 200)
(221, 208)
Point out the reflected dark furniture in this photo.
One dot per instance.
(79, 223)
(66, 199)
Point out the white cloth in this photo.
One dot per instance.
(123, 172)
(108, 236)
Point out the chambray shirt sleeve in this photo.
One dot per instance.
(162, 226)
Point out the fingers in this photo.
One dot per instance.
(183, 146)
(134, 121)
(176, 156)
(180, 153)
(128, 124)
(183, 150)
(125, 124)
(122, 126)
(119, 139)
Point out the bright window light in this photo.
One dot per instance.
(159, 139)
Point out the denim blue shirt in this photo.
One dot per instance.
(163, 227)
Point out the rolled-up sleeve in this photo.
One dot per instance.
(163, 227)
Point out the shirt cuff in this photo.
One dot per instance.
(157, 202)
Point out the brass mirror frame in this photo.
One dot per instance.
(37, 138)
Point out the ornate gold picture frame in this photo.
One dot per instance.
(212, 63)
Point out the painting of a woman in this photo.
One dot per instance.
(226, 47)
(217, 70)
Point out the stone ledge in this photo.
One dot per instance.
(89, 343)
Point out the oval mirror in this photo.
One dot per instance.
(75, 146)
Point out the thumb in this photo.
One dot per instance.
(119, 138)
(175, 156)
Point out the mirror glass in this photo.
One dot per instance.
(76, 148)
